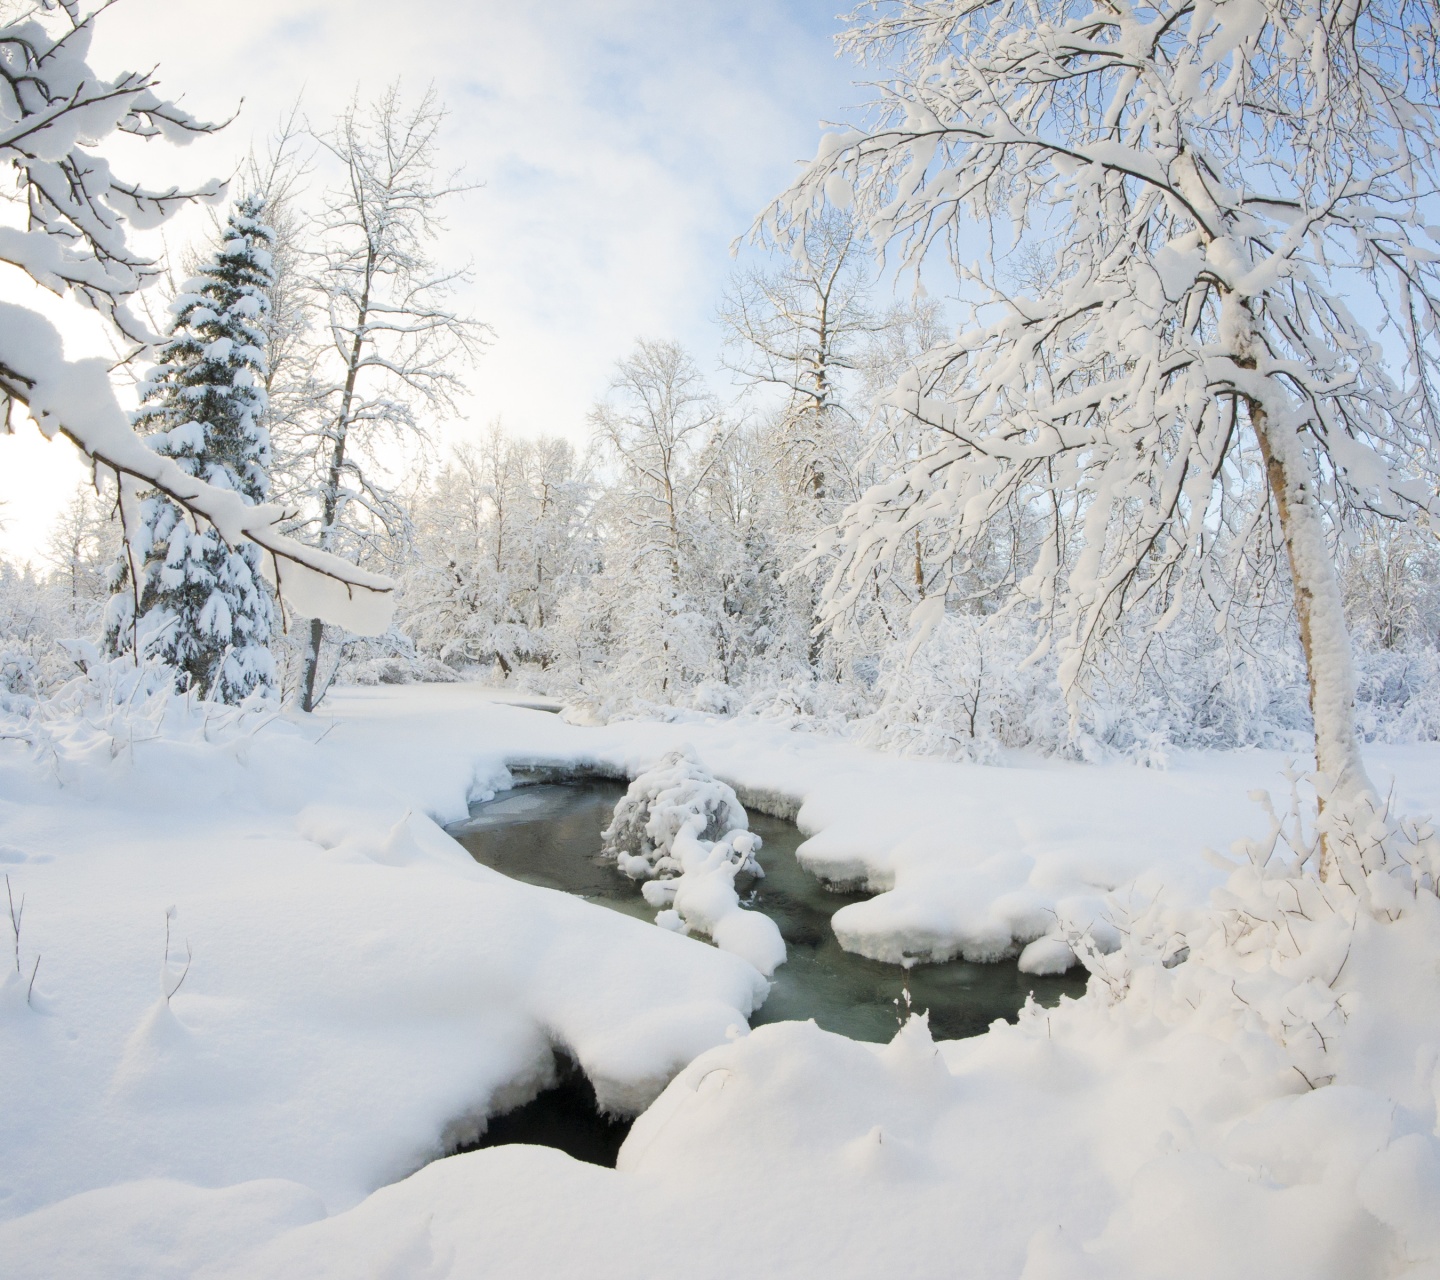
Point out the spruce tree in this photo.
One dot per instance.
(203, 607)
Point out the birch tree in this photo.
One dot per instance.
(394, 345)
(1232, 201)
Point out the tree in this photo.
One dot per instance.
(493, 543)
(392, 345)
(182, 594)
(801, 328)
(279, 175)
(655, 422)
(77, 213)
(83, 545)
(1231, 202)
(1390, 578)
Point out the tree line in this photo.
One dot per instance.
(1142, 494)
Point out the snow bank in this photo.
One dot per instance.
(1156, 1132)
(361, 993)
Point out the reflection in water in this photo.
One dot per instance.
(550, 835)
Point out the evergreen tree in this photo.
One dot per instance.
(203, 607)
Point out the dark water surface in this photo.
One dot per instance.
(565, 1116)
(550, 835)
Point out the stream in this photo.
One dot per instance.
(549, 834)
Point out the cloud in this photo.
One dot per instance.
(622, 144)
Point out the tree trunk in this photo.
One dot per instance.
(312, 665)
(332, 479)
(1324, 635)
(1319, 605)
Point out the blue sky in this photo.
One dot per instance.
(623, 145)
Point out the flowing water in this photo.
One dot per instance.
(550, 835)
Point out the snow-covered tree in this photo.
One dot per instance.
(81, 550)
(182, 594)
(70, 235)
(1391, 579)
(392, 344)
(802, 328)
(494, 544)
(655, 424)
(1231, 202)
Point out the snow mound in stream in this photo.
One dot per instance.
(686, 834)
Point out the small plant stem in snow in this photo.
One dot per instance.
(15, 916)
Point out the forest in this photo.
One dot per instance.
(676, 551)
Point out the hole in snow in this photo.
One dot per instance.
(564, 1116)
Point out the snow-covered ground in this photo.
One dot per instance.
(360, 993)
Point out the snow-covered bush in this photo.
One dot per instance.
(30, 618)
(1268, 952)
(113, 703)
(685, 833)
(1398, 693)
(966, 692)
(674, 793)
(713, 698)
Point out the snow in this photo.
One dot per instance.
(361, 995)
(75, 242)
(679, 822)
(76, 397)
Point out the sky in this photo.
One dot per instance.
(622, 146)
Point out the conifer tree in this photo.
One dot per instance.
(203, 607)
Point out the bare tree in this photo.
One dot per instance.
(280, 175)
(393, 346)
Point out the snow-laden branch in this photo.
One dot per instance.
(1213, 288)
(76, 399)
(54, 112)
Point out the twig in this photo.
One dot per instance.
(188, 957)
(15, 918)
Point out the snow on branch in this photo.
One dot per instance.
(1178, 204)
(76, 399)
(54, 112)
